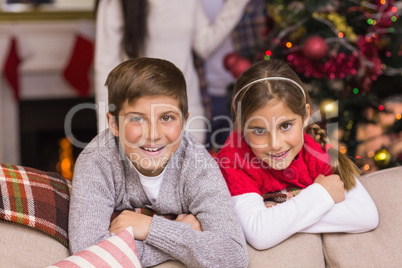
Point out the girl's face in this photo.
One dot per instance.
(275, 134)
(149, 131)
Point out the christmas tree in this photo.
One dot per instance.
(349, 56)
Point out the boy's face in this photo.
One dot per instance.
(149, 131)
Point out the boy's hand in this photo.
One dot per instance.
(334, 186)
(140, 223)
(191, 219)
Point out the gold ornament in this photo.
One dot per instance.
(298, 34)
(339, 22)
(329, 108)
(382, 158)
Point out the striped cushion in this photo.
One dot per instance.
(116, 251)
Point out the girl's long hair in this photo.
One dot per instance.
(340, 163)
(259, 94)
(135, 13)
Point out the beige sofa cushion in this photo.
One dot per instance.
(22, 246)
(381, 247)
(300, 250)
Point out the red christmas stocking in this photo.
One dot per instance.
(78, 67)
(10, 68)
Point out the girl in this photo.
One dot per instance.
(272, 155)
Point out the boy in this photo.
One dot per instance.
(146, 160)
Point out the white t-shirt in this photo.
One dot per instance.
(151, 185)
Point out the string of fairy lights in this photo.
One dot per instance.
(340, 53)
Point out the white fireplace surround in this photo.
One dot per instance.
(45, 48)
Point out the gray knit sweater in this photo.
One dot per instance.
(105, 181)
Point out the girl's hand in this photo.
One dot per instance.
(191, 219)
(140, 223)
(334, 186)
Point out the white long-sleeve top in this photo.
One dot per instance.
(311, 211)
(175, 29)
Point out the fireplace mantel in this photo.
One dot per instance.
(45, 49)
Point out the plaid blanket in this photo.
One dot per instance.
(250, 32)
(281, 196)
(36, 199)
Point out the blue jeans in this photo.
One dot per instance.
(220, 123)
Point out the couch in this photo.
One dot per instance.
(23, 246)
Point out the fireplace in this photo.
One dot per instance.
(32, 129)
(43, 139)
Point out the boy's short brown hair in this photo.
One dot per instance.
(140, 77)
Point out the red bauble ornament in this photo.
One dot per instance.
(230, 60)
(239, 67)
(236, 64)
(315, 48)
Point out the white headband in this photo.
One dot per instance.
(267, 78)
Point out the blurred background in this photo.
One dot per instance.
(46, 51)
(348, 54)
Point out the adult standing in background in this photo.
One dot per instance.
(218, 79)
(248, 34)
(166, 29)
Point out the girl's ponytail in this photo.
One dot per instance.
(318, 134)
(340, 163)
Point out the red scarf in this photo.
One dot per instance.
(245, 173)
